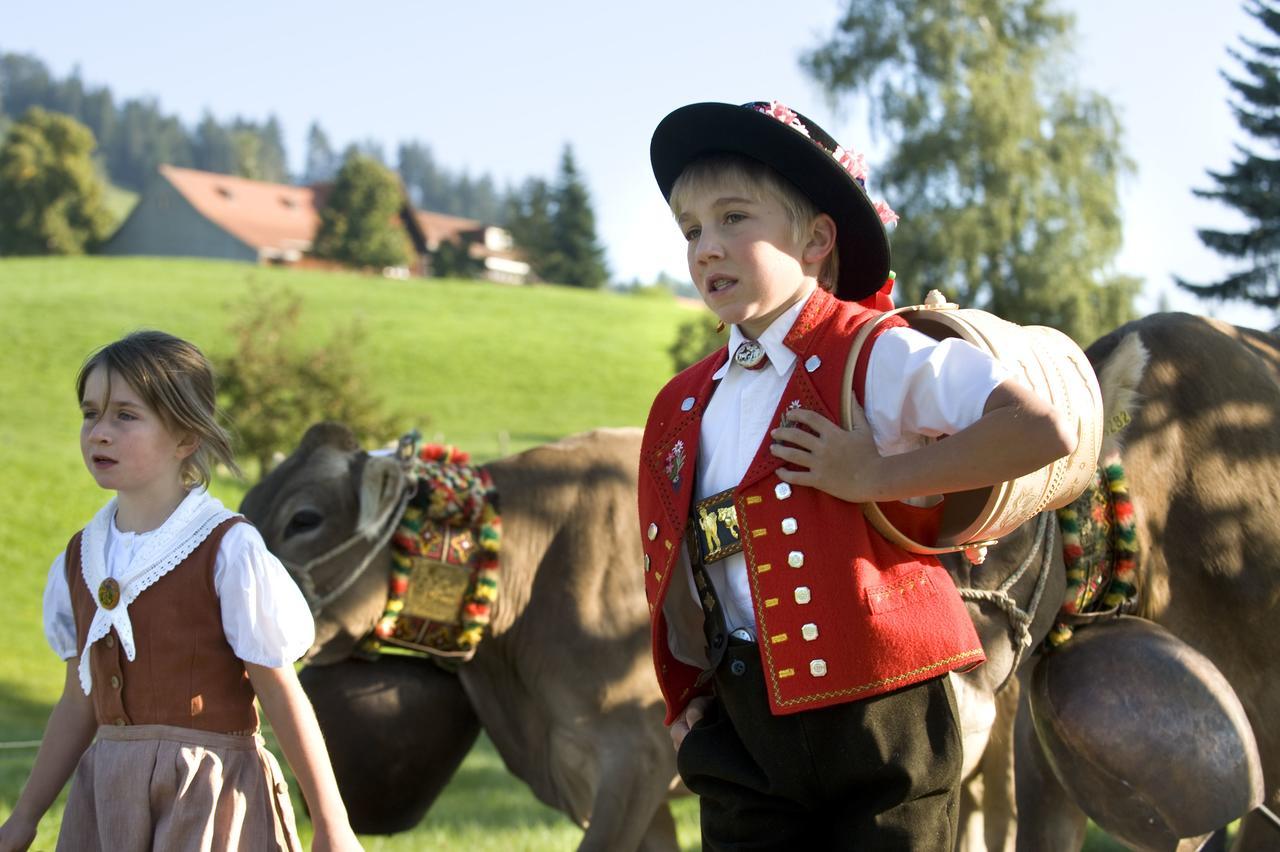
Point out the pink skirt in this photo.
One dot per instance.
(144, 787)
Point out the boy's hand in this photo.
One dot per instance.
(693, 713)
(843, 463)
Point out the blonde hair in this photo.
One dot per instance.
(175, 380)
(756, 180)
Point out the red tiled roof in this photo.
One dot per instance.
(441, 227)
(263, 215)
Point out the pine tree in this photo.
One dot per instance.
(1252, 185)
(322, 162)
(529, 217)
(578, 259)
(51, 199)
(360, 223)
(1004, 175)
(214, 149)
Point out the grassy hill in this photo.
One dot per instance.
(487, 367)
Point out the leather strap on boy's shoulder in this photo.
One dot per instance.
(830, 325)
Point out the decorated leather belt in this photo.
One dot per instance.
(713, 528)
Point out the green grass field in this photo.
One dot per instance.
(489, 368)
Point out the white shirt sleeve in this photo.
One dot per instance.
(59, 623)
(918, 388)
(265, 617)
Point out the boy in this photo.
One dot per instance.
(803, 658)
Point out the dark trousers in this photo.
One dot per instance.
(878, 774)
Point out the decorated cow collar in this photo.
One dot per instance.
(444, 573)
(1100, 549)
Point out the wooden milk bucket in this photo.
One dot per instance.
(1056, 369)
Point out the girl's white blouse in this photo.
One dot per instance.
(264, 615)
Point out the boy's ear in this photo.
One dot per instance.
(822, 239)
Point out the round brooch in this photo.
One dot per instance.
(750, 355)
(109, 593)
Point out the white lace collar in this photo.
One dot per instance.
(158, 553)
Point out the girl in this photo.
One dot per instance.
(172, 616)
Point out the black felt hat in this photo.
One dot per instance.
(800, 151)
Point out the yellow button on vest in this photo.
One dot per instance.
(809, 632)
(795, 559)
(110, 641)
(817, 668)
(802, 594)
(789, 526)
(653, 531)
(782, 491)
(120, 723)
(115, 682)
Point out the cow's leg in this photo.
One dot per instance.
(1048, 821)
(661, 835)
(978, 713)
(999, 806)
(630, 809)
(615, 777)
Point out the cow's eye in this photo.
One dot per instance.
(303, 521)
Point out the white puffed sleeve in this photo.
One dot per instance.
(264, 615)
(918, 386)
(59, 623)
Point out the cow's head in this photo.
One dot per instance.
(324, 512)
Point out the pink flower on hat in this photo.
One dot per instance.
(852, 162)
(886, 214)
(784, 114)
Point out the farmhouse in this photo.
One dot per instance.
(191, 213)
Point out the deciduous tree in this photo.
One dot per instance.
(1003, 171)
(360, 223)
(51, 199)
(273, 388)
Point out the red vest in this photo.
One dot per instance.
(852, 615)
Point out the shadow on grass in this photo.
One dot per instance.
(22, 722)
(21, 716)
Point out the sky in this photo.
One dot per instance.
(501, 87)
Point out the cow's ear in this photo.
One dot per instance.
(382, 483)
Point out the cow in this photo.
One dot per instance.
(561, 683)
(1202, 453)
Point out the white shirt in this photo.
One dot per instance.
(264, 616)
(917, 388)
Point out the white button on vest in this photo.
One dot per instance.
(646, 562)
(802, 594)
(782, 491)
(809, 632)
(813, 363)
(687, 404)
(789, 526)
(653, 531)
(817, 668)
(795, 559)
